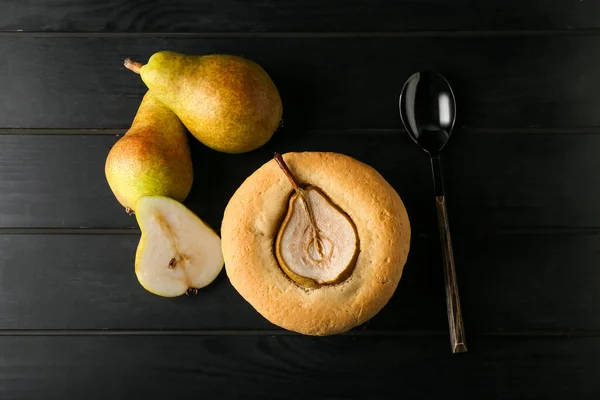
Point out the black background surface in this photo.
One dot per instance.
(521, 179)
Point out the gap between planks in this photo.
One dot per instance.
(460, 231)
(280, 332)
(306, 35)
(69, 231)
(592, 130)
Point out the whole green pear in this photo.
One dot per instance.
(229, 103)
(153, 158)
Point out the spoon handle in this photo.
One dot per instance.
(455, 320)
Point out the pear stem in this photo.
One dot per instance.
(133, 65)
(317, 242)
(286, 170)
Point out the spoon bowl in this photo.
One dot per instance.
(428, 110)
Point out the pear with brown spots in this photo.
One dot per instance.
(229, 103)
(153, 158)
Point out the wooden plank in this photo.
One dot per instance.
(493, 181)
(529, 282)
(502, 81)
(522, 180)
(57, 181)
(510, 282)
(296, 367)
(88, 282)
(294, 15)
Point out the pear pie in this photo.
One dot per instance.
(315, 242)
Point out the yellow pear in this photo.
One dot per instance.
(229, 103)
(177, 250)
(153, 158)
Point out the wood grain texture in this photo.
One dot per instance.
(493, 181)
(510, 282)
(88, 282)
(294, 15)
(285, 367)
(524, 281)
(520, 172)
(458, 342)
(542, 81)
(58, 181)
(522, 180)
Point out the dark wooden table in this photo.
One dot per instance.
(522, 187)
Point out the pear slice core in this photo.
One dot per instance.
(177, 251)
(317, 243)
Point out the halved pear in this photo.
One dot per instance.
(317, 243)
(177, 250)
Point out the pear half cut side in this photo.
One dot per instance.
(317, 243)
(177, 250)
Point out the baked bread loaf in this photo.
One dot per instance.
(251, 224)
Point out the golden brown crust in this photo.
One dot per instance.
(251, 223)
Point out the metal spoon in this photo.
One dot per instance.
(428, 111)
